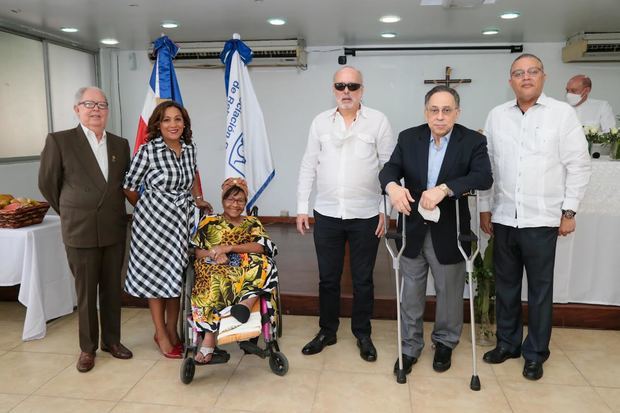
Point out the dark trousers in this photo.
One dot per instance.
(534, 249)
(92, 268)
(330, 236)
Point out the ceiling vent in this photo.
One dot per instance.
(266, 53)
(592, 47)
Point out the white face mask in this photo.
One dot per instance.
(573, 98)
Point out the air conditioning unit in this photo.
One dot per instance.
(592, 47)
(264, 53)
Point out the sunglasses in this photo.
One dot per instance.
(352, 86)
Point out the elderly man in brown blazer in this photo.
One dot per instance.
(81, 176)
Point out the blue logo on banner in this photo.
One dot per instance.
(237, 156)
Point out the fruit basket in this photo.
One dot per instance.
(22, 213)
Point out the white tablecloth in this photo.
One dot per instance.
(35, 257)
(587, 262)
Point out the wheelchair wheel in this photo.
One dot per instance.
(278, 363)
(188, 368)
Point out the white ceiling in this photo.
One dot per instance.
(319, 22)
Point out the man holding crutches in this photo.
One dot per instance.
(439, 160)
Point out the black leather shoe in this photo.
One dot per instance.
(532, 370)
(318, 343)
(367, 350)
(499, 355)
(408, 363)
(443, 357)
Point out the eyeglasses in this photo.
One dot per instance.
(90, 104)
(532, 71)
(352, 86)
(447, 111)
(235, 201)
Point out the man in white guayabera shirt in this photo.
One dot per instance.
(347, 146)
(541, 168)
(591, 112)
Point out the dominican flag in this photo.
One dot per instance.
(162, 86)
(248, 154)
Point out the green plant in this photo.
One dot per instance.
(613, 135)
(484, 309)
(593, 135)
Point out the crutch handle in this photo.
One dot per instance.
(394, 236)
(471, 237)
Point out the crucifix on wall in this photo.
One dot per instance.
(447, 80)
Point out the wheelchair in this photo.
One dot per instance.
(271, 329)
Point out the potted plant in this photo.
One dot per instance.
(613, 137)
(598, 144)
(484, 302)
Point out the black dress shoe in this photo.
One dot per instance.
(367, 350)
(443, 357)
(318, 343)
(532, 370)
(408, 363)
(499, 355)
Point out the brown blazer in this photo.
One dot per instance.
(92, 211)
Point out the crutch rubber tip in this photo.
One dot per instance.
(475, 383)
(401, 377)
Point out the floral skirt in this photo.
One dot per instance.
(219, 286)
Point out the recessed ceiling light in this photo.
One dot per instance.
(388, 35)
(276, 21)
(109, 42)
(389, 19)
(510, 15)
(490, 31)
(169, 24)
(69, 29)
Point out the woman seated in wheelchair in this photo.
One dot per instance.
(234, 264)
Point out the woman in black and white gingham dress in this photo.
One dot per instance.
(164, 169)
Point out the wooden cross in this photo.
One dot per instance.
(447, 81)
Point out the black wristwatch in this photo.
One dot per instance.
(568, 213)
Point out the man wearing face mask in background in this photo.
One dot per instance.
(591, 112)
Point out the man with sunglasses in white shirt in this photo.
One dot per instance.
(541, 168)
(347, 146)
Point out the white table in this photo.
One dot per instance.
(35, 257)
(587, 262)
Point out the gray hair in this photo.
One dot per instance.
(80, 93)
(351, 68)
(443, 88)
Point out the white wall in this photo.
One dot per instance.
(291, 98)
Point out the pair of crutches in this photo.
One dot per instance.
(401, 375)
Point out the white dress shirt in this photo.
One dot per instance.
(100, 149)
(345, 163)
(540, 163)
(596, 113)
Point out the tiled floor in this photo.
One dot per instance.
(582, 375)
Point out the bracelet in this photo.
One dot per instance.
(198, 197)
